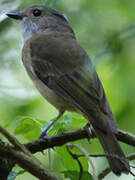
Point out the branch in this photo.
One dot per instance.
(126, 137)
(5, 165)
(78, 161)
(39, 145)
(14, 141)
(85, 155)
(27, 163)
(23, 157)
(59, 140)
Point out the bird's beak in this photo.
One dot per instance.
(15, 15)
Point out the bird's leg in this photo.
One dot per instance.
(44, 133)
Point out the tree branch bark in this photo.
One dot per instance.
(5, 165)
(13, 155)
(59, 140)
(19, 154)
(27, 163)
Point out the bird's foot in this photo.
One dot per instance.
(88, 128)
(44, 135)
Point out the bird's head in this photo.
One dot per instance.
(39, 18)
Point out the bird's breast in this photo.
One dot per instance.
(46, 92)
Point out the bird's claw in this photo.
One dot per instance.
(88, 129)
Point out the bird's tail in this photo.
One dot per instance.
(111, 147)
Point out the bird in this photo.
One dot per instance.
(63, 73)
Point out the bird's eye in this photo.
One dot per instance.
(36, 12)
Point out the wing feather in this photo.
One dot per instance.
(71, 75)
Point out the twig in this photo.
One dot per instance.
(87, 156)
(102, 155)
(104, 173)
(81, 169)
(74, 156)
(14, 141)
(126, 137)
(108, 170)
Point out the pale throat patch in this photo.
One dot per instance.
(28, 29)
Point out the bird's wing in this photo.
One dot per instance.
(65, 68)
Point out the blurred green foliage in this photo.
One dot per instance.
(74, 175)
(106, 29)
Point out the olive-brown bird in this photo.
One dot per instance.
(63, 73)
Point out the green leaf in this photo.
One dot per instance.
(68, 162)
(72, 175)
(68, 122)
(62, 126)
(59, 127)
(66, 119)
(28, 127)
(21, 172)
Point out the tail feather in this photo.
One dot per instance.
(111, 147)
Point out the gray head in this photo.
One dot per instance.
(39, 18)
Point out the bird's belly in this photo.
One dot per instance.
(52, 97)
(46, 92)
